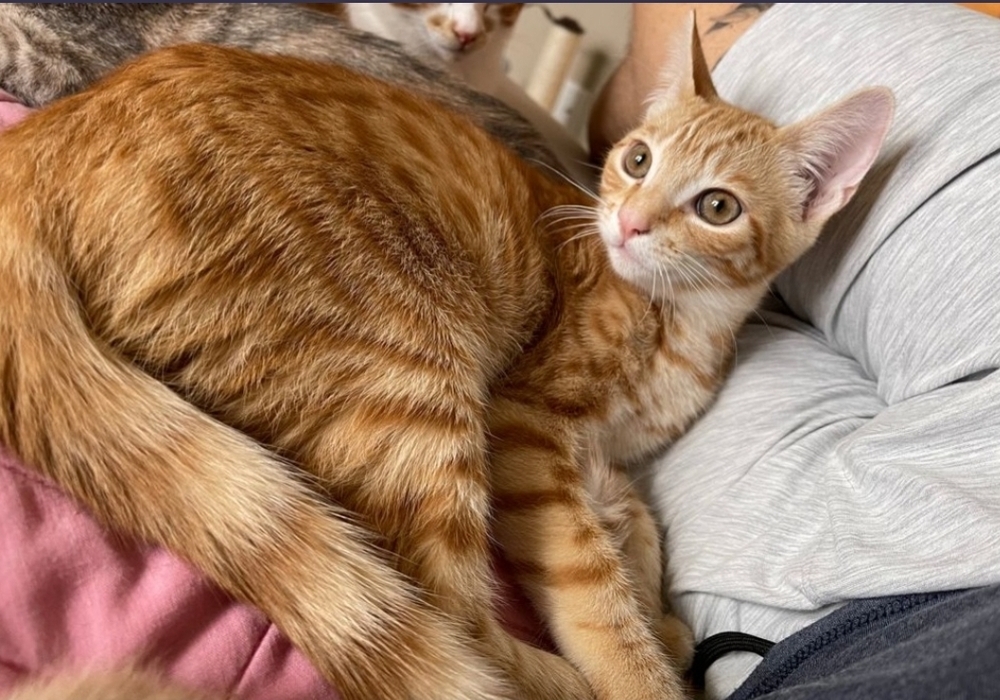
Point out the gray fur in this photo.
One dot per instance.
(48, 51)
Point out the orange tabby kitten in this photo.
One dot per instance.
(239, 288)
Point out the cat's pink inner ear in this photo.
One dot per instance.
(835, 149)
(684, 73)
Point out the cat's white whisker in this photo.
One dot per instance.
(569, 217)
(563, 227)
(658, 272)
(709, 275)
(580, 226)
(566, 216)
(652, 297)
(570, 207)
(756, 312)
(588, 164)
(568, 223)
(569, 212)
(667, 294)
(575, 208)
(681, 266)
(686, 275)
(586, 190)
(583, 234)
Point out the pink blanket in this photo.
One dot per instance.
(75, 596)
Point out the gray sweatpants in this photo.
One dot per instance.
(919, 647)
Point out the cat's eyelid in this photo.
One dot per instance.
(687, 195)
(696, 188)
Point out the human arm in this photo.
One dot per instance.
(622, 100)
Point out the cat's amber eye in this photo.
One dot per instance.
(637, 160)
(718, 207)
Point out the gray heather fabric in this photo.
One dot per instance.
(855, 451)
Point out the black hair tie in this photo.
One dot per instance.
(713, 648)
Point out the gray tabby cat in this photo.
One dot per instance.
(48, 51)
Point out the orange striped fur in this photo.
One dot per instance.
(317, 335)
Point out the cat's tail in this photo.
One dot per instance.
(149, 464)
(118, 684)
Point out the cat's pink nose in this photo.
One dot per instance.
(631, 224)
(465, 38)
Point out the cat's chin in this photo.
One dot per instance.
(453, 52)
(450, 55)
(662, 283)
(634, 271)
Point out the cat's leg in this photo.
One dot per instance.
(635, 534)
(149, 464)
(566, 559)
(415, 469)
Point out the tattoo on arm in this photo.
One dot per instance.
(743, 12)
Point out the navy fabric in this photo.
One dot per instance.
(938, 646)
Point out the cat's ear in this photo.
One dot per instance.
(834, 149)
(685, 73)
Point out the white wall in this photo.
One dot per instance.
(606, 27)
(605, 38)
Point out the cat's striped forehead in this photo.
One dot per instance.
(718, 131)
(698, 145)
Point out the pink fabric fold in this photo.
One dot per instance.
(73, 596)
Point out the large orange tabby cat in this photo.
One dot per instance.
(237, 289)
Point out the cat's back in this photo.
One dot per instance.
(202, 195)
(234, 107)
(247, 151)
